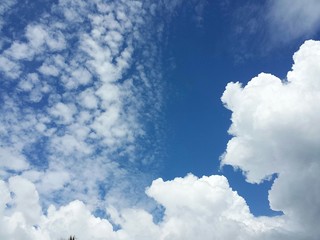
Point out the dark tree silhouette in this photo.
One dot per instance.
(72, 238)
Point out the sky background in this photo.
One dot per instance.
(115, 113)
(204, 56)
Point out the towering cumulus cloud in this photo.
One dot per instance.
(80, 94)
(275, 124)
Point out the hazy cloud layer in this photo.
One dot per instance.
(291, 19)
(260, 28)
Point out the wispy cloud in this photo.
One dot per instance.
(5, 7)
(289, 20)
(262, 27)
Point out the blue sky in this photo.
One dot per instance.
(182, 115)
(205, 57)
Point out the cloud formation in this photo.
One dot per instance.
(260, 28)
(4, 8)
(291, 19)
(205, 207)
(72, 100)
(275, 131)
(274, 128)
(73, 112)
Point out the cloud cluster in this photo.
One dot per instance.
(195, 208)
(74, 101)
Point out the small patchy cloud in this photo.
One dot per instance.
(72, 99)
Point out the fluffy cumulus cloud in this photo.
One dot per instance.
(205, 208)
(275, 131)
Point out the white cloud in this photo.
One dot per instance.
(88, 99)
(9, 68)
(36, 35)
(75, 217)
(275, 130)
(64, 112)
(25, 199)
(19, 51)
(87, 123)
(195, 208)
(10, 159)
(53, 180)
(81, 76)
(291, 19)
(49, 70)
(205, 208)
(72, 114)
